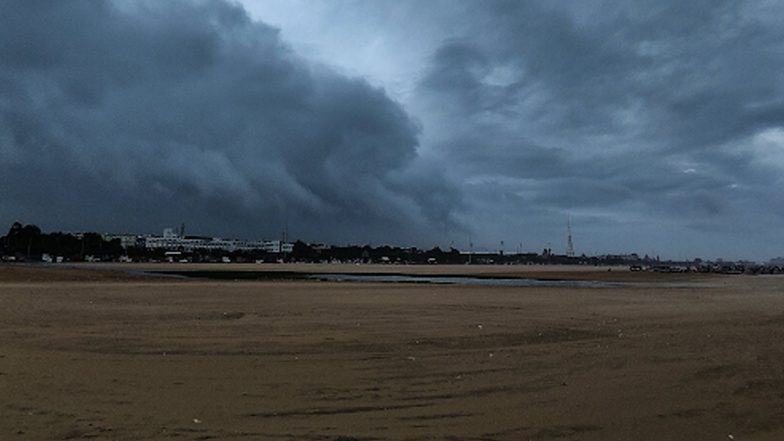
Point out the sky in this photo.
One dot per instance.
(656, 126)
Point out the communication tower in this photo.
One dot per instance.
(569, 244)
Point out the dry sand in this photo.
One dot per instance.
(86, 353)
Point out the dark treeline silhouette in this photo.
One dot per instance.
(383, 254)
(27, 242)
(389, 254)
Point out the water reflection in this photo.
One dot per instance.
(478, 281)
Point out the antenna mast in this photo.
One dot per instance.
(569, 244)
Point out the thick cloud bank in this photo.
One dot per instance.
(659, 126)
(140, 115)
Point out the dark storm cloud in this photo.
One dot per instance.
(651, 112)
(139, 115)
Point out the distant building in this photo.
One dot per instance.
(126, 240)
(276, 247)
(171, 241)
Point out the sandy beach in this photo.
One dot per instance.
(97, 352)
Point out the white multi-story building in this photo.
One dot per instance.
(170, 241)
(126, 240)
(276, 246)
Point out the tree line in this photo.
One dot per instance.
(28, 242)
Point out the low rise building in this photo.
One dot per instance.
(126, 240)
(170, 241)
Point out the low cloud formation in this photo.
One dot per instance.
(657, 125)
(140, 115)
(648, 122)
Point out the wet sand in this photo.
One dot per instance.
(90, 353)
